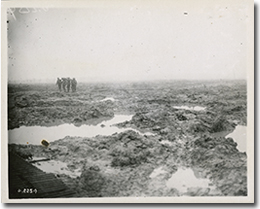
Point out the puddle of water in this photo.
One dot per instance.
(196, 108)
(34, 134)
(185, 178)
(166, 142)
(239, 136)
(107, 99)
(157, 172)
(57, 167)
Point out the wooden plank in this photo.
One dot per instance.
(40, 160)
(23, 175)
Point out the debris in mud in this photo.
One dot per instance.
(45, 143)
(221, 124)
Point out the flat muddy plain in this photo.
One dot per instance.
(137, 139)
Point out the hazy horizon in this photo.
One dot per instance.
(136, 41)
(53, 81)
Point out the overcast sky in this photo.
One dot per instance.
(135, 42)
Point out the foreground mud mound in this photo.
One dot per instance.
(188, 122)
(123, 164)
(210, 156)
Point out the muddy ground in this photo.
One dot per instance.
(121, 164)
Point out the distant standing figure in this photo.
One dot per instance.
(73, 85)
(59, 82)
(68, 84)
(64, 84)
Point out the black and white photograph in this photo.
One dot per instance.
(128, 101)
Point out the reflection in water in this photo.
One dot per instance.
(108, 99)
(196, 108)
(57, 167)
(157, 172)
(35, 134)
(167, 142)
(239, 136)
(185, 178)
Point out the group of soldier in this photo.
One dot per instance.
(66, 84)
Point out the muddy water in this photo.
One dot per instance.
(196, 108)
(184, 179)
(34, 134)
(57, 167)
(167, 142)
(157, 172)
(239, 136)
(108, 99)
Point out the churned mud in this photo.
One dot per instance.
(174, 141)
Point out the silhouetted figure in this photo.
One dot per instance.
(68, 84)
(59, 82)
(64, 84)
(73, 85)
